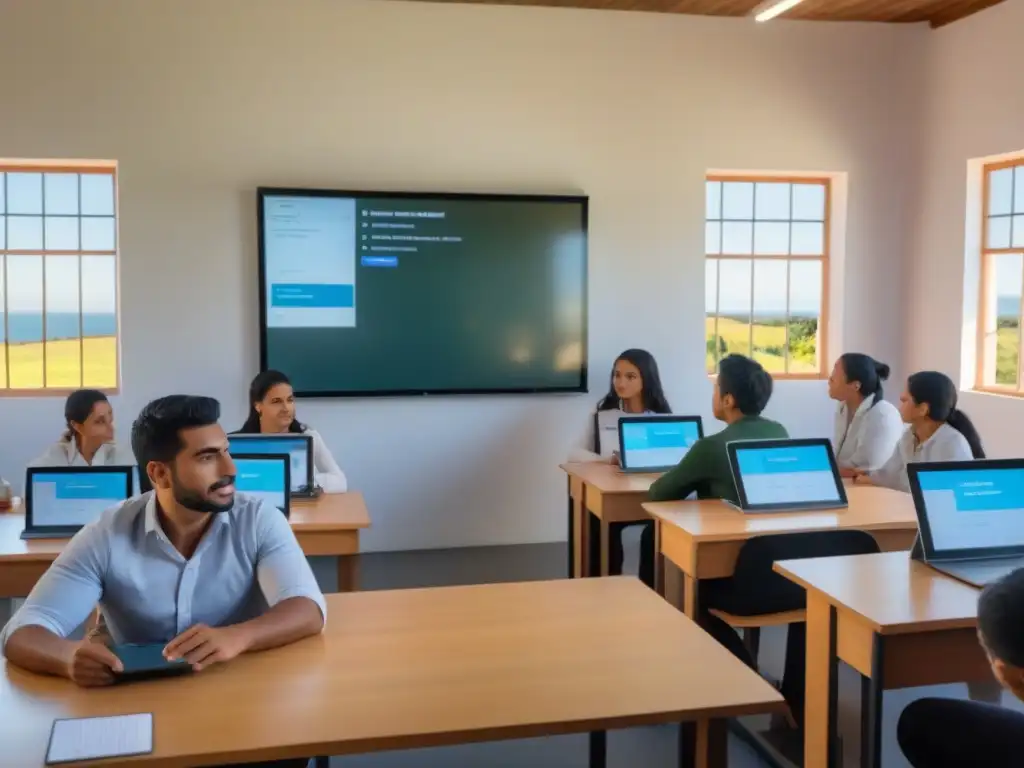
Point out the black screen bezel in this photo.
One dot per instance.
(63, 530)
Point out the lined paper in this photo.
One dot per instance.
(96, 738)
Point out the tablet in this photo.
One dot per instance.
(652, 444)
(786, 475)
(145, 661)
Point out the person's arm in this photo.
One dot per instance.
(876, 441)
(584, 450)
(36, 636)
(297, 607)
(685, 478)
(327, 474)
(892, 474)
(54, 456)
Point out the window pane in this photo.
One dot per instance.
(24, 233)
(3, 193)
(710, 312)
(770, 314)
(1018, 190)
(998, 232)
(805, 280)
(25, 323)
(3, 232)
(61, 233)
(98, 194)
(713, 204)
(1008, 272)
(99, 321)
(734, 306)
(809, 202)
(738, 200)
(63, 346)
(98, 234)
(1018, 231)
(24, 193)
(772, 201)
(808, 239)
(713, 237)
(771, 238)
(737, 237)
(3, 311)
(1000, 190)
(61, 193)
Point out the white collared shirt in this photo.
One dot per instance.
(867, 441)
(947, 444)
(65, 453)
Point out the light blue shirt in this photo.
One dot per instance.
(247, 561)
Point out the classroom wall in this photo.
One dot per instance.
(200, 102)
(974, 108)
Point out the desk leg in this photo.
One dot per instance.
(581, 522)
(690, 596)
(822, 685)
(572, 531)
(598, 749)
(659, 561)
(704, 744)
(871, 694)
(348, 573)
(605, 537)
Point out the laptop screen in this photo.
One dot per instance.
(657, 443)
(264, 478)
(296, 446)
(973, 508)
(75, 499)
(796, 474)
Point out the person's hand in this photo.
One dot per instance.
(862, 478)
(202, 646)
(92, 663)
(614, 460)
(848, 473)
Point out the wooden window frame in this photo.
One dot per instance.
(824, 259)
(61, 166)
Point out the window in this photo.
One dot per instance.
(1002, 277)
(767, 246)
(58, 276)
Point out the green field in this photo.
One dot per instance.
(64, 362)
(1007, 352)
(769, 343)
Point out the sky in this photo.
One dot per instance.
(79, 213)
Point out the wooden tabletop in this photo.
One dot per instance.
(870, 509)
(421, 667)
(329, 512)
(608, 478)
(891, 592)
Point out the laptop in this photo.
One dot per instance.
(785, 475)
(299, 447)
(656, 443)
(60, 501)
(266, 476)
(970, 517)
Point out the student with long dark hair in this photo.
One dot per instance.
(88, 439)
(634, 390)
(939, 431)
(272, 411)
(867, 426)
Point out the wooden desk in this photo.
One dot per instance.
(703, 538)
(611, 496)
(329, 525)
(899, 623)
(422, 668)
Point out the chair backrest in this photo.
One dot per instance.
(754, 575)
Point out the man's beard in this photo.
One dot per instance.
(198, 503)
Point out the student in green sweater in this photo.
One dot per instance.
(742, 390)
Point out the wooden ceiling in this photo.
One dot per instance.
(935, 12)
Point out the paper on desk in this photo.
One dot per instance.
(95, 738)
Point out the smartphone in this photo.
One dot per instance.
(145, 661)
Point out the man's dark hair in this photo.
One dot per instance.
(1001, 618)
(156, 432)
(749, 384)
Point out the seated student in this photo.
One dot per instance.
(867, 427)
(938, 431)
(211, 573)
(635, 389)
(951, 733)
(89, 438)
(272, 411)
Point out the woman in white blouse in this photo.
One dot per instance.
(89, 437)
(867, 427)
(272, 411)
(938, 431)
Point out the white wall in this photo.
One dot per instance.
(202, 101)
(974, 108)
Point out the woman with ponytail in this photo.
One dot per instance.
(272, 411)
(867, 427)
(938, 430)
(88, 440)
